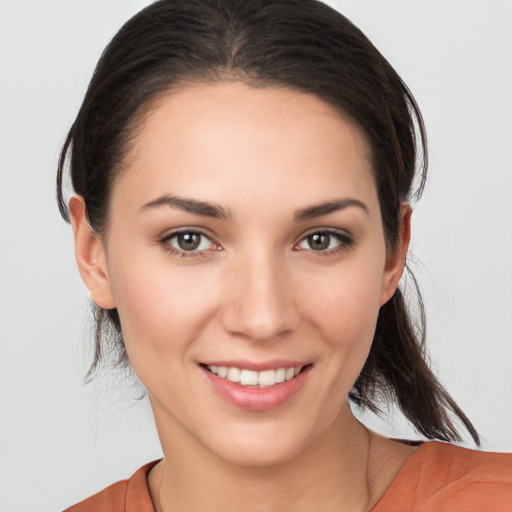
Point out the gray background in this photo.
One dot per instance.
(60, 441)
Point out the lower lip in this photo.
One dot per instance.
(257, 399)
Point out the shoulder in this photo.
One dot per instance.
(443, 459)
(450, 478)
(124, 496)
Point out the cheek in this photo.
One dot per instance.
(344, 307)
(345, 302)
(162, 306)
(348, 326)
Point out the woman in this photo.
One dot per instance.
(243, 173)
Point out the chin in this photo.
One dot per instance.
(256, 454)
(264, 445)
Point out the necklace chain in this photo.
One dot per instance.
(160, 487)
(367, 480)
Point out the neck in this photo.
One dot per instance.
(332, 474)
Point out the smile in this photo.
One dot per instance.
(250, 378)
(257, 387)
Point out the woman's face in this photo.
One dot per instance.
(245, 238)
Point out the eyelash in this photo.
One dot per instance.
(344, 239)
(164, 242)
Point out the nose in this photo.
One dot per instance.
(260, 301)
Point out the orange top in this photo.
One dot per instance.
(437, 478)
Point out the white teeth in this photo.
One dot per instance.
(234, 374)
(267, 378)
(248, 378)
(244, 377)
(280, 375)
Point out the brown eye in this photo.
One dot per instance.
(326, 241)
(188, 241)
(319, 241)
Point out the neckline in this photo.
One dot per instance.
(404, 470)
(395, 483)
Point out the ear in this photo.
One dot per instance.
(90, 255)
(396, 258)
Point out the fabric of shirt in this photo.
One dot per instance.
(438, 477)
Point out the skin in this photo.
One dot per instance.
(255, 291)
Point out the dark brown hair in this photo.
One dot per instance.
(299, 44)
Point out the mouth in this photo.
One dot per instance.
(257, 387)
(256, 379)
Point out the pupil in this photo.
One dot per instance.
(318, 241)
(189, 241)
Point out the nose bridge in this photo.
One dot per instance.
(260, 304)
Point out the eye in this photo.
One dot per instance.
(188, 243)
(325, 241)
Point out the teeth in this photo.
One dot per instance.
(234, 374)
(280, 375)
(267, 378)
(248, 378)
(244, 377)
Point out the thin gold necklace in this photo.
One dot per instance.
(160, 487)
(367, 470)
(367, 480)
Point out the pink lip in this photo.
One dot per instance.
(257, 399)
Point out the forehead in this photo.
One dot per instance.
(206, 139)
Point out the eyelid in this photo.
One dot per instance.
(327, 230)
(186, 229)
(346, 240)
(164, 239)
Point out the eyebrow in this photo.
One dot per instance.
(188, 205)
(330, 207)
(213, 210)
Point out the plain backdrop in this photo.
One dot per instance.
(61, 441)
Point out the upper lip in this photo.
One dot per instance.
(257, 366)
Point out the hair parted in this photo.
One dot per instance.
(304, 45)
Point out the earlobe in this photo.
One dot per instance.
(396, 259)
(90, 255)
